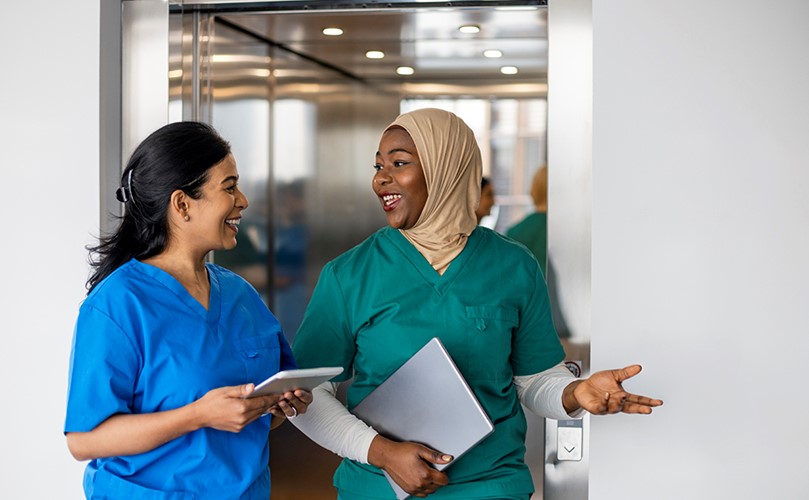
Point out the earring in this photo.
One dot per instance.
(186, 218)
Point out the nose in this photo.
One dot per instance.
(381, 177)
(241, 200)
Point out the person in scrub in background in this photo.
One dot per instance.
(486, 199)
(433, 272)
(167, 346)
(532, 231)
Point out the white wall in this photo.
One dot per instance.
(701, 246)
(49, 200)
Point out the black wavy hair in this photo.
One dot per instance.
(176, 156)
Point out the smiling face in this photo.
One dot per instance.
(216, 214)
(399, 180)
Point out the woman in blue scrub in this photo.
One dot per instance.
(434, 273)
(166, 346)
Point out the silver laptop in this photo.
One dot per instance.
(427, 401)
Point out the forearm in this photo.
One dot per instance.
(328, 423)
(569, 400)
(125, 434)
(549, 393)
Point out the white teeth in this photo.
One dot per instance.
(235, 222)
(390, 198)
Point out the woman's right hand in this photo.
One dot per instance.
(409, 465)
(226, 408)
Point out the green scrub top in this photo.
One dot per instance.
(380, 302)
(532, 232)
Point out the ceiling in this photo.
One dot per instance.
(426, 39)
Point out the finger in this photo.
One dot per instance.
(640, 404)
(615, 402)
(289, 409)
(627, 372)
(434, 457)
(643, 400)
(293, 398)
(304, 396)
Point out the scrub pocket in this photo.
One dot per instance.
(261, 356)
(107, 486)
(489, 330)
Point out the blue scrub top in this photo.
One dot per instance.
(143, 344)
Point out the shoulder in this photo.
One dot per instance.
(528, 221)
(504, 249)
(502, 243)
(233, 284)
(124, 279)
(358, 257)
(226, 276)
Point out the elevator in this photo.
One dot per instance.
(303, 108)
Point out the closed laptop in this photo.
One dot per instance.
(427, 401)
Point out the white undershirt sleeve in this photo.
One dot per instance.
(328, 423)
(542, 392)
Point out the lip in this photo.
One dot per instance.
(387, 207)
(234, 224)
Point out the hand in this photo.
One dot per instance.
(291, 404)
(409, 465)
(602, 394)
(225, 409)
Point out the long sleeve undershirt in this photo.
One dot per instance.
(329, 423)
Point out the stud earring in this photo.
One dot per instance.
(186, 218)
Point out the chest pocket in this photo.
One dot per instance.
(261, 356)
(489, 331)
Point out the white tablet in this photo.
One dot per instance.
(289, 380)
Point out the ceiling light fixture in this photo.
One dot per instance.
(492, 53)
(469, 29)
(509, 70)
(375, 54)
(405, 70)
(332, 31)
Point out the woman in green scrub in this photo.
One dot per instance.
(434, 273)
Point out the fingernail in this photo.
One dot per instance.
(446, 458)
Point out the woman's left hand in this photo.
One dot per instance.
(603, 393)
(292, 404)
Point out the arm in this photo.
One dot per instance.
(130, 434)
(555, 393)
(332, 426)
(329, 424)
(543, 393)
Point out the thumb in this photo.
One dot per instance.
(434, 457)
(627, 372)
(242, 390)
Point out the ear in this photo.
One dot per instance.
(178, 204)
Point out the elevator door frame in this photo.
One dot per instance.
(134, 102)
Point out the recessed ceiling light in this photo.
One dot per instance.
(332, 31)
(405, 70)
(374, 54)
(492, 53)
(469, 29)
(509, 70)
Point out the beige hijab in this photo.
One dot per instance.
(450, 158)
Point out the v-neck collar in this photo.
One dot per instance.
(167, 280)
(440, 282)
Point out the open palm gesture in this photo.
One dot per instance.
(603, 393)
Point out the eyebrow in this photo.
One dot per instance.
(395, 150)
(234, 178)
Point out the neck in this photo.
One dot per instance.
(189, 271)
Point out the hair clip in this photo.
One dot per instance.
(124, 193)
